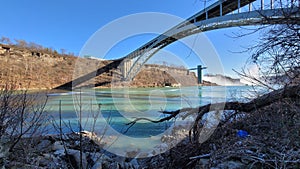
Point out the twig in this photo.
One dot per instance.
(200, 156)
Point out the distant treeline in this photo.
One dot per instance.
(19, 43)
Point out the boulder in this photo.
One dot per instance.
(60, 152)
(75, 155)
(44, 145)
(58, 145)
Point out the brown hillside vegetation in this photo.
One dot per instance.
(34, 69)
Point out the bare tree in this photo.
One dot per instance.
(63, 51)
(35, 46)
(21, 43)
(5, 40)
(277, 53)
(21, 118)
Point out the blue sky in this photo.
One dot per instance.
(69, 24)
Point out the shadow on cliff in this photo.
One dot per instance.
(72, 84)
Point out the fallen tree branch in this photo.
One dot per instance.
(173, 115)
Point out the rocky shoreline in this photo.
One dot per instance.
(67, 151)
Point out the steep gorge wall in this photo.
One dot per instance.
(32, 69)
(157, 75)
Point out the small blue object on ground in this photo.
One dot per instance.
(242, 134)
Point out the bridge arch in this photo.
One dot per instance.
(216, 16)
(258, 17)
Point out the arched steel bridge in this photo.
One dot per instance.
(221, 14)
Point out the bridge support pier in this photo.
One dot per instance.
(125, 67)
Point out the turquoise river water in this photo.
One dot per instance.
(106, 112)
(116, 107)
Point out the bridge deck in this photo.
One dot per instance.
(215, 9)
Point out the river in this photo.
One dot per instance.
(136, 102)
(106, 111)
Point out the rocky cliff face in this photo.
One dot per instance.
(32, 69)
(158, 75)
